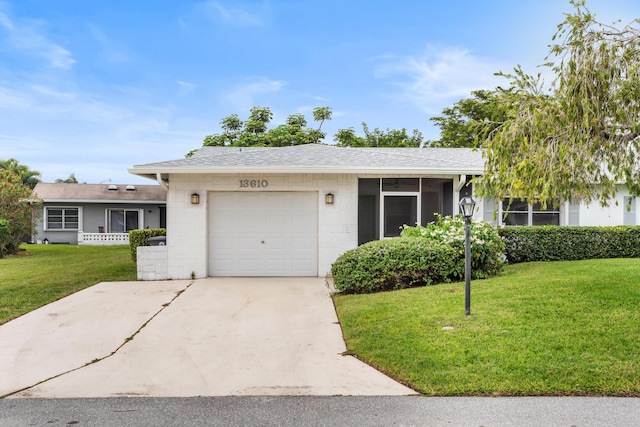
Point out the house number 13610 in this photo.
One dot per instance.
(254, 183)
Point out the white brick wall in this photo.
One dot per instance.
(595, 215)
(152, 263)
(187, 227)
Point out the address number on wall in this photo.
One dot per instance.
(254, 183)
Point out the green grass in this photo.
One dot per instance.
(45, 273)
(563, 328)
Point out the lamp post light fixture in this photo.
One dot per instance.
(467, 206)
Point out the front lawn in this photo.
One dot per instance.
(41, 274)
(554, 328)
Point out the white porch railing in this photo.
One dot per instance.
(103, 239)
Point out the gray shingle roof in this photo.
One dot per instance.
(317, 158)
(54, 192)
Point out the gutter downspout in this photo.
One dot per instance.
(162, 182)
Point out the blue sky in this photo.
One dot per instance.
(94, 87)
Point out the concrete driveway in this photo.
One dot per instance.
(209, 337)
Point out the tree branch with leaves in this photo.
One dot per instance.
(580, 141)
(255, 132)
(18, 212)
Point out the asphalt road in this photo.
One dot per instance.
(322, 411)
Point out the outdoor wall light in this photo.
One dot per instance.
(195, 199)
(328, 199)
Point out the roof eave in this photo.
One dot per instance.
(100, 201)
(151, 172)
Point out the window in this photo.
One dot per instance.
(385, 205)
(399, 211)
(61, 218)
(574, 214)
(629, 216)
(400, 184)
(122, 220)
(368, 210)
(519, 212)
(400, 204)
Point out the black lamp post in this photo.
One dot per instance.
(467, 206)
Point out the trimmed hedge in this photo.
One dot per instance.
(385, 265)
(141, 238)
(554, 243)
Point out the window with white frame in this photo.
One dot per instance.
(400, 204)
(61, 218)
(520, 212)
(629, 216)
(123, 220)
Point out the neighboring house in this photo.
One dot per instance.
(98, 214)
(291, 211)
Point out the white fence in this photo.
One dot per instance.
(103, 239)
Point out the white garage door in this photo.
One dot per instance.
(263, 234)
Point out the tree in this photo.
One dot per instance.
(254, 131)
(378, 138)
(459, 124)
(17, 212)
(71, 180)
(29, 177)
(582, 139)
(294, 131)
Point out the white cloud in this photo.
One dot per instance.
(248, 16)
(244, 96)
(28, 37)
(68, 105)
(59, 131)
(11, 139)
(438, 77)
(110, 52)
(186, 87)
(12, 99)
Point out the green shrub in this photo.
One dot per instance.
(398, 263)
(141, 238)
(5, 237)
(554, 243)
(487, 248)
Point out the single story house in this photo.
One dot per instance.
(97, 214)
(291, 211)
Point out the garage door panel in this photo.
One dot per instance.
(263, 234)
(231, 221)
(245, 200)
(301, 264)
(278, 199)
(274, 221)
(219, 222)
(250, 265)
(299, 227)
(302, 244)
(275, 244)
(229, 242)
(225, 266)
(276, 267)
(234, 244)
(230, 265)
(247, 243)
